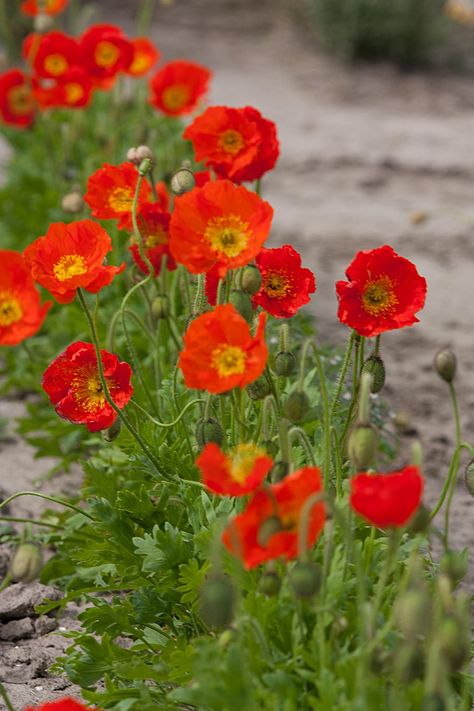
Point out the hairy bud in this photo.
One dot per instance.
(374, 365)
(26, 564)
(279, 471)
(445, 364)
(72, 202)
(412, 613)
(454, 565)
(209, 430)
(305, 580)
(113, 431)
(242, 303)
(362, 446)
(268, 529)
(251, 279)
(43, 23)
(217, 601)
(145, 153)
(284, 363)
(182, 181)
(296, 405)
(160, 307)
(259, 389)
(269, 583)
(469, 477)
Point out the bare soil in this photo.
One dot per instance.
(364, 151)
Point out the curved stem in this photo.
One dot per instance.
(19, 519)
(342, 373)
(5, 697)
(53, 499)
(166, 424)
(300, 434)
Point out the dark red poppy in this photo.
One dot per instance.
(384, 291)
(236, 473)
(286, 285)
(387, 499)
(17, 103)
(178, 86)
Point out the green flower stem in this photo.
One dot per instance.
(393, 543)
(274, 389)
(284, 337)
(135, 434)
(299, 434)
(342, 373)
(199, 296)
(5, 697)
(303, 528)
(338, 464)
(284, 440)
(269, 406)
(377, 345)
(53, 500)
(18, 519)
(166, 424)
(454, 475)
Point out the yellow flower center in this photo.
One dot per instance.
(175, 97)
(227, 234)
(56, 64)
(121, 199)
(10, 309)
(88, 392)
(243, 460)
(20, 100)
(106, 54)
(74, 92)
(140, 62)
(231, 141)
(276, 285)
(229, 360)
(378, 297)
(160, 236)
(70, 265)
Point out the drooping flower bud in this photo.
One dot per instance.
(412, 613)
(217, 601)
(113, 431)
(269, 583)
(445, 364)
(362, 446)
(251, 279)
(259, 389)
(454, 564)
(242, 303)
(284, 363)
(374, 365)
(73, 202)
(26, 564)
(420, 521)
(305, 579)
(145, 153)
(268, 529)
(132, 156)
(160, 307)
(182, 181)
(279, 471)
(296, 405)
(270, 447)
(209, 430)
(469, 477)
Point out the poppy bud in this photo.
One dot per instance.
(469, 477)
(113, 431)
(269, 583)
(26, 564)
(259, 389)
(305, 580)
(402, 423)
(209, 430)
(454, 565)
(362, 446)
(453, 641)
(296, 405)
(374, 365)
(72, 202)
(182, 181)
(242, 303)
(284, 363)
(445, 364)
(160, 307)
(217, 601)
(43, 23)
(420, 521)
(145, 153)
(268, 529)
(225, 638)
(433, 702)
(270, 447)
(251, 279)
(411, 613)
(279, 471)
(132, 156)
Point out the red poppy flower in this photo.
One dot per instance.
(286, 285)
(17, 103)
(73, 385)
(387, 499)
(177, 87)
(220, 225)
(238, 144)
(21, 314)
(153, 224)
(278, 509)
(105, 51)
(220, 353)
(73, 90)
(237, 473)
(49, 7)
(52, 55)
(110, 192)
(70, 257)
(145, 56)
(383, 293)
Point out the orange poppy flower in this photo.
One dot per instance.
(220, 353)
(70, 257)
(153, 224)
(17, 103)
(220, 225)
(145, 56)
(73, 385)
(387, 499)
(286, 285)
(105, 51)
(21, 314)
(49, 7)
(177, 87)
(237, 473)
(269, 526)
(73, 90)
(238, 144)
(110, 192)
(51, 55)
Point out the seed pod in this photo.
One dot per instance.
(269, 583)
(26, 564)
(362, 446)
(374, 365)
(445, 364)
(251, 279)
(160, 307)
(43, 23)
(469, 477)
(209, 430)
(305, 580)
(284, 363)
(242, 303)
(182, 181)
(454, 565)
(132, 156)
(217, 601)
(72, 202)
(259, 389)
(433, 702)
(412, 613)
(420, 521)
(113, 431)
(454, 642)
(296, 405)
(145, 153)
(267, 529)
(279, 471)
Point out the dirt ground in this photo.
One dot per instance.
(362, 151)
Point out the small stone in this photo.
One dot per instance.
(45, 624)
(17, 629)
(20, 600)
